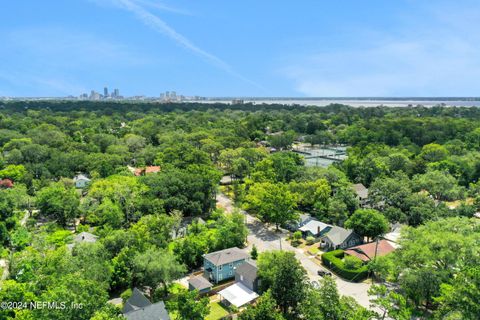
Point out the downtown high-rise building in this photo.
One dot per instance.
(105, 92)
(94, 95)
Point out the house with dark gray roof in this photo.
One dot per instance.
(199, 283)
(138, 307)
(339, 238)
(246, 273)
(221, 265)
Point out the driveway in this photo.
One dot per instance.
(265, 238)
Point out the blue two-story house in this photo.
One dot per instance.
(221, 265)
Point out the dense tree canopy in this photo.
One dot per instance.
(421, 165)
(367, 223)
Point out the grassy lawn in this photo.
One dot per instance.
(217, 311)
(313, 250)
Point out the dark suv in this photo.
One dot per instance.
(322, 273)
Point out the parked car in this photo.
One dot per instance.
(323, 273)
(315, 284)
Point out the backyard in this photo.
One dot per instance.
(217, 311)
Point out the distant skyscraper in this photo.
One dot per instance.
(105, 92)
(173, 95)
(94, 95)
(116, 93)
(167, 94)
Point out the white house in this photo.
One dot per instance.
(81, 181)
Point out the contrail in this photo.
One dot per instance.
(162, 6)
(162, 27)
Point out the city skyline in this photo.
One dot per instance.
(212, 48)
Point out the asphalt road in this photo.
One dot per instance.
(265, 238)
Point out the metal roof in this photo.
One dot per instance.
(238, 295)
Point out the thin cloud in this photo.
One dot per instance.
(58, 47)
(162, 6)
(39, 85)
(162, 27)
(435, 57)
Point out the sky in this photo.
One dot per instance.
(275, 48)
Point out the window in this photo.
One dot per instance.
(231, 265)
(231, 273)
(220, 277)
(220, 268)
(241, 277)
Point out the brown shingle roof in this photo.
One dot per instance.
(366, 252)
(147, 170)
(152, 169)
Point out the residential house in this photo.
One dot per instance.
(362, 193)
(295, 225)
(200, 283)
(246, 273)
(243, 290)
(339, 238)
(314, 228)
(394, 235)
(81, 181)
(6, 183)
(83, 237)
(369, 251)
(221, 265)
(138, 307)
(144, 171)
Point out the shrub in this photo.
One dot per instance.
(126, 295)
(83, 228)
(297, 235)
(333, 260)
(295, 238)
(351, 262)
(310, 240)
(254, 253)
(59, 238)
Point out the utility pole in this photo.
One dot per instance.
(375, 256)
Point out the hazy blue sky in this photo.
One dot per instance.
(241, 48)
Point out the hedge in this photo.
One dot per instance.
(333, 260)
